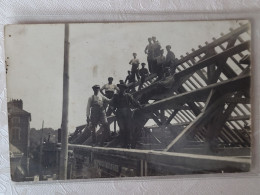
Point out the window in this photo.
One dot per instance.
(16, 133)
(16, 120)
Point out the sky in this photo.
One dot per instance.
(35, 55)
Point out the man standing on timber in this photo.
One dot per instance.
(110, 90)
(160, 65)
(156, 53)
(122, 103)
(149, 51)
(170, 59)
(96, 115)
(143, 73)
(135, 66)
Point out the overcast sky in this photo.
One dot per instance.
(97, 51)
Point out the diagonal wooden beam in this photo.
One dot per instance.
(202, 117)
(217, 42)
(202, 64)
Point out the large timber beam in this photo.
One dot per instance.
(195, 162)
(202, 117)
(232, 85)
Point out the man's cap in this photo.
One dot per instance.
(122, 85)
(134, 53)
(143, 64)
(96, 87)
(149, 38)
(153, 37)
(109, 78)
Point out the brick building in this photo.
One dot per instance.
(19, 131)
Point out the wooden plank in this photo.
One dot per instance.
(193, 161)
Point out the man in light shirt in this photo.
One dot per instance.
(149, 51)
(110, 90)
(96, 115)
(135, 66)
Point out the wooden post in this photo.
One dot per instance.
(65, 108)
(41, 151)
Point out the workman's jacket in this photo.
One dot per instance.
(126, 100)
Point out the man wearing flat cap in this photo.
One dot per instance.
(122, 104)
(156, 53)
(149, 51)
(110, 90)
(143, 73)
(170, 60)
(135, 66)
(96, 114)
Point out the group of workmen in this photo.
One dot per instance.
(102, 104)
(157, 63)
(115, 99)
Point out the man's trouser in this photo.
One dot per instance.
(159, 71)
(150, 64)
(135, 72)
(125, 122)
(141, 82)
(98, 116)
(109, 95)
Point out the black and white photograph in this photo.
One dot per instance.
(139, 99)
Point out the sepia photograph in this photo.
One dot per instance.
(139, 99)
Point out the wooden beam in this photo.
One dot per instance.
(202, 117)
(202, 64)
(195, 162)
(232, 85)
(217, 42)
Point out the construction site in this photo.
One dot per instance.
(196, 121)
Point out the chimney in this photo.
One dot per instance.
(18, 103)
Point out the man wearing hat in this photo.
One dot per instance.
(143, 73)
(149, 51)
(170, 59)
(160, 65)
(121, 103)
(96, 114)
(135, 66)
(110, 90)
(156, 53)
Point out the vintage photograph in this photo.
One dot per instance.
(110, 100)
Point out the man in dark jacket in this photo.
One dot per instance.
(143, 73)
(170, 59)
(122, 104)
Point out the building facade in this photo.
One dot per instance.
(19, 130)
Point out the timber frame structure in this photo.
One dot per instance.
(201, 113)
